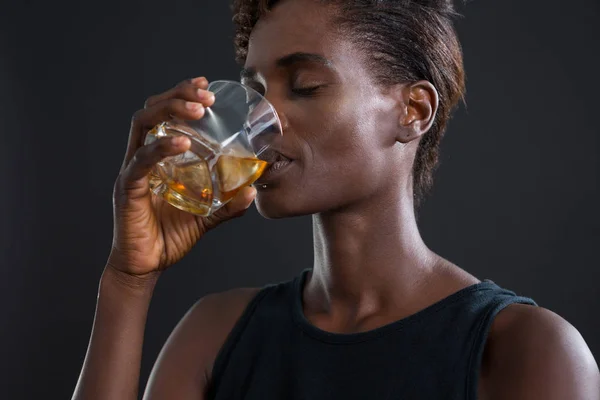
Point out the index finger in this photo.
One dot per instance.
(183, 86)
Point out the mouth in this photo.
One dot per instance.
(272, 156)
(277, 165)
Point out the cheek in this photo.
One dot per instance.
(344, 148)
(330, 129)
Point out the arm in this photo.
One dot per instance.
(532, 354)
(112, 364)
(184, 366)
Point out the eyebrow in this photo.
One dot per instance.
(290, 59)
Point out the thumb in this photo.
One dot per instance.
(235, 208)
(241, 201)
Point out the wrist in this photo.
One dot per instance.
(136, 285)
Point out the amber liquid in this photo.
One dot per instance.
(189, 185)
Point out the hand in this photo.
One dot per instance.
(149, 234)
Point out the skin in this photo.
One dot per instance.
(353, 145)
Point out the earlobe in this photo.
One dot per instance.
(420, 106)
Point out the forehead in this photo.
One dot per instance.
(293, 26)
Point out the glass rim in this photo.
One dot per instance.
(254, 91)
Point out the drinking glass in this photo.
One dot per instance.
(224, 156)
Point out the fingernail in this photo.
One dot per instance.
(204, 95)
(192, 106)
(180, 141)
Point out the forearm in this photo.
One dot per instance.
(112, 364)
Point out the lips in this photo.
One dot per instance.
(272, 156)
(277, 164)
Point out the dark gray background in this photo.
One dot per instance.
(515, 198)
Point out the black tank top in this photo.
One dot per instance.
(273, 352)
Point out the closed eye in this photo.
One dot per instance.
(305, 91)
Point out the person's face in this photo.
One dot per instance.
(341, 137)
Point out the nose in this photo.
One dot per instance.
(276, 103)
(282, 119)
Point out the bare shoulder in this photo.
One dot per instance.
(214, 316)
(533, 353)
(185, 363)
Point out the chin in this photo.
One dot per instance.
(271, 203)
(273, 209)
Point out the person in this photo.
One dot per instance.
(364, 90)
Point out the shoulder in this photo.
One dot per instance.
(211, 319)
(532, 353)
(185, 363)
(222, 307)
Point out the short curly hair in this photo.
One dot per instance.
(405, 41)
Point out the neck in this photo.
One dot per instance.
(366, 256)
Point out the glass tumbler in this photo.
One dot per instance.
(223, 157)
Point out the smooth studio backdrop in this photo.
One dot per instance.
(515, 199)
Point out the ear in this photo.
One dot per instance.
(420, 101)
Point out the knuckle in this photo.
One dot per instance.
(118, 183)
(185, 83)
(118, 189)
(120, 194)
(150, 101)
(138, 156)
(141, 155)
(136, 116)
(175, 105)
